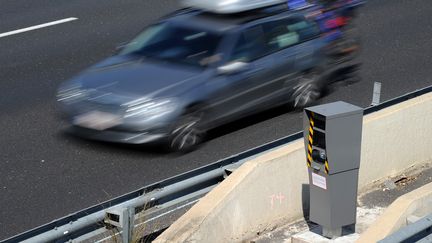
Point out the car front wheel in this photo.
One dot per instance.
(187, 134)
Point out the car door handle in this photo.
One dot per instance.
(288, 56)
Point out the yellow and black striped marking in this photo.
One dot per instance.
(327, 168)
(310, 138)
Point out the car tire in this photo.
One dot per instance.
(307, 91)
(187, 134)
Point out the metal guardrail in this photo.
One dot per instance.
(182, 186)
(420, 231)
(172, 192)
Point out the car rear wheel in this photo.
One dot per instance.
(187, 134)
(307, 90)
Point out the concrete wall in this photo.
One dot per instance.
(272, 189)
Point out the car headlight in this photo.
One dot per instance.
(150, 108)
(71, 94)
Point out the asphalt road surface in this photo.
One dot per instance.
(45, 174)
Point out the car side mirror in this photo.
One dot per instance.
(232, 67)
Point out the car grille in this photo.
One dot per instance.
(103, 102)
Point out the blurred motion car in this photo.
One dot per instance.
(194, 70)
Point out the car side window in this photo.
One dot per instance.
(306, 30)
(264, 39)
(250, 46)
(284, 33)
(279, 36)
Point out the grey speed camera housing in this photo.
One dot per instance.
(332, 135)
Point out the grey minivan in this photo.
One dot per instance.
(193, 71)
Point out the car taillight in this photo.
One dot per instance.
(335, 22)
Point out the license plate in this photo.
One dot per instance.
(97, 120)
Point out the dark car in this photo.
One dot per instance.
(193, 71)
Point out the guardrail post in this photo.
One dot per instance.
(122, 218)
(130, 225)
(127, 224)
(376, 94)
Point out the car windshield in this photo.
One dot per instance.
(175, 43)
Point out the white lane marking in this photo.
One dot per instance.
(14, 32)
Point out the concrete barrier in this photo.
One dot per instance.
(272, 189)
(395, 216)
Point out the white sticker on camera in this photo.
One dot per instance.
(319, 181)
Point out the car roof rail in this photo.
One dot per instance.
(272, 10)
(253, 14)
(265, 11)
(180, 12)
